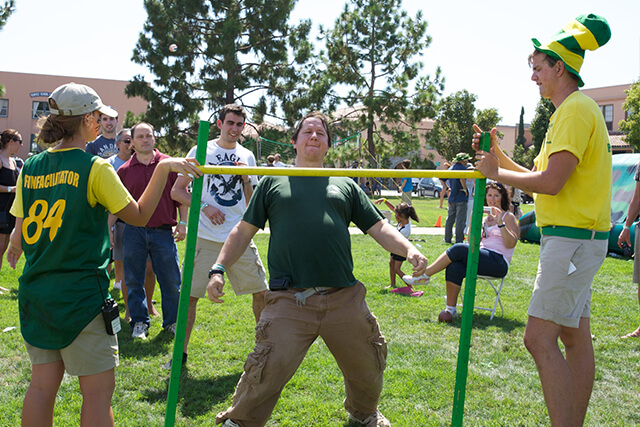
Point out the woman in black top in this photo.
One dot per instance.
(10, 143)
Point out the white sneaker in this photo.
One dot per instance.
(229, 423)
(374, 420)
(117, 285)
(413, 280)
(139, 331)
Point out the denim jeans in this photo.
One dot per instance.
(138, 242)
(490, 263)
(457, 213)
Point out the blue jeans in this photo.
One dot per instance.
(490, 263)
(456, 213)
(138, 243)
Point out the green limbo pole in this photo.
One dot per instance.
(187, 274)
(469, 294)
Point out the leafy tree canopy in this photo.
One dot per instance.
(373, 51)
(5, 11)
(631, 125)
(452, 131)
(205, 54)
(538, 129)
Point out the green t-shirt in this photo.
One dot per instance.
(309, 219)
(66, 247)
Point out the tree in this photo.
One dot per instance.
(631, 125)
(205, 54)
(520, 140)
(453, 128)
(5, 12)
(372, 51)
(540, 122)
(538, 129)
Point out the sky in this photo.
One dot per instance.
(480, 46)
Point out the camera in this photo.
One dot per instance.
(626, 249)
(486, 209)
(111, 316)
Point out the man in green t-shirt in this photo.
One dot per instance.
(312, 288)
(571, 186)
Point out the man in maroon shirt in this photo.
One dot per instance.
(156, 239)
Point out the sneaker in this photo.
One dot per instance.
(139, 330)
(374, 420)
(171, 328)
(229, 423)
(413, 280)
(117, 285)
(167, 366)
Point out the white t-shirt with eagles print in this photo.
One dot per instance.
(224, 192)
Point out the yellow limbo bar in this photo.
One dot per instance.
(369, 173)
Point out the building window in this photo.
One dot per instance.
(607, 112)
(40, 109)
(4, 108)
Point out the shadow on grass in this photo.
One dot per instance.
(482, 321)
(197, 396)
(160, 344)
(12, 294)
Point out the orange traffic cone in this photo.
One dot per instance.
(439, 221)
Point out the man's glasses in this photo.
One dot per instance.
(127, 141)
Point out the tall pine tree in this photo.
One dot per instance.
(520, 140)
(205, 54)
(373, 50)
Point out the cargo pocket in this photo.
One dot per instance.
(378, 342)
(256, 362)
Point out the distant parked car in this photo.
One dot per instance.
(430, 187)
(415, 182)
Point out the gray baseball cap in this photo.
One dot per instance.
(74, 99)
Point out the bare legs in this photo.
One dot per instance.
(636, 333)
(4, 243)
(97, 390)
(395, 269)
(567, 380)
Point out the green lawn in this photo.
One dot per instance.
(503, 387)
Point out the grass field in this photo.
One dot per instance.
(503, 387)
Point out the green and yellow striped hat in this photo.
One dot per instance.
(586, 32)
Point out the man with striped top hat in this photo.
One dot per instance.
(571, 186)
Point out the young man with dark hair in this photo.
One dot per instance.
(312, 288)
(224, 200)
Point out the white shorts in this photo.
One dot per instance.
(562, 290)
(247, 275)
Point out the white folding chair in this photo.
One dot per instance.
(498, 290)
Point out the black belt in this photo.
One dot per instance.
(161, 227)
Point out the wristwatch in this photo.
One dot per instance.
(215, 271)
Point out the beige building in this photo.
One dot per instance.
(610, 100)
(25, 100)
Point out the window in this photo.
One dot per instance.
(4, 108)
(40, 109)
(607, 112)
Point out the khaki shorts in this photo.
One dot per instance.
(247, 275)
(636, 256)
(92, 352)
(560, 295)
